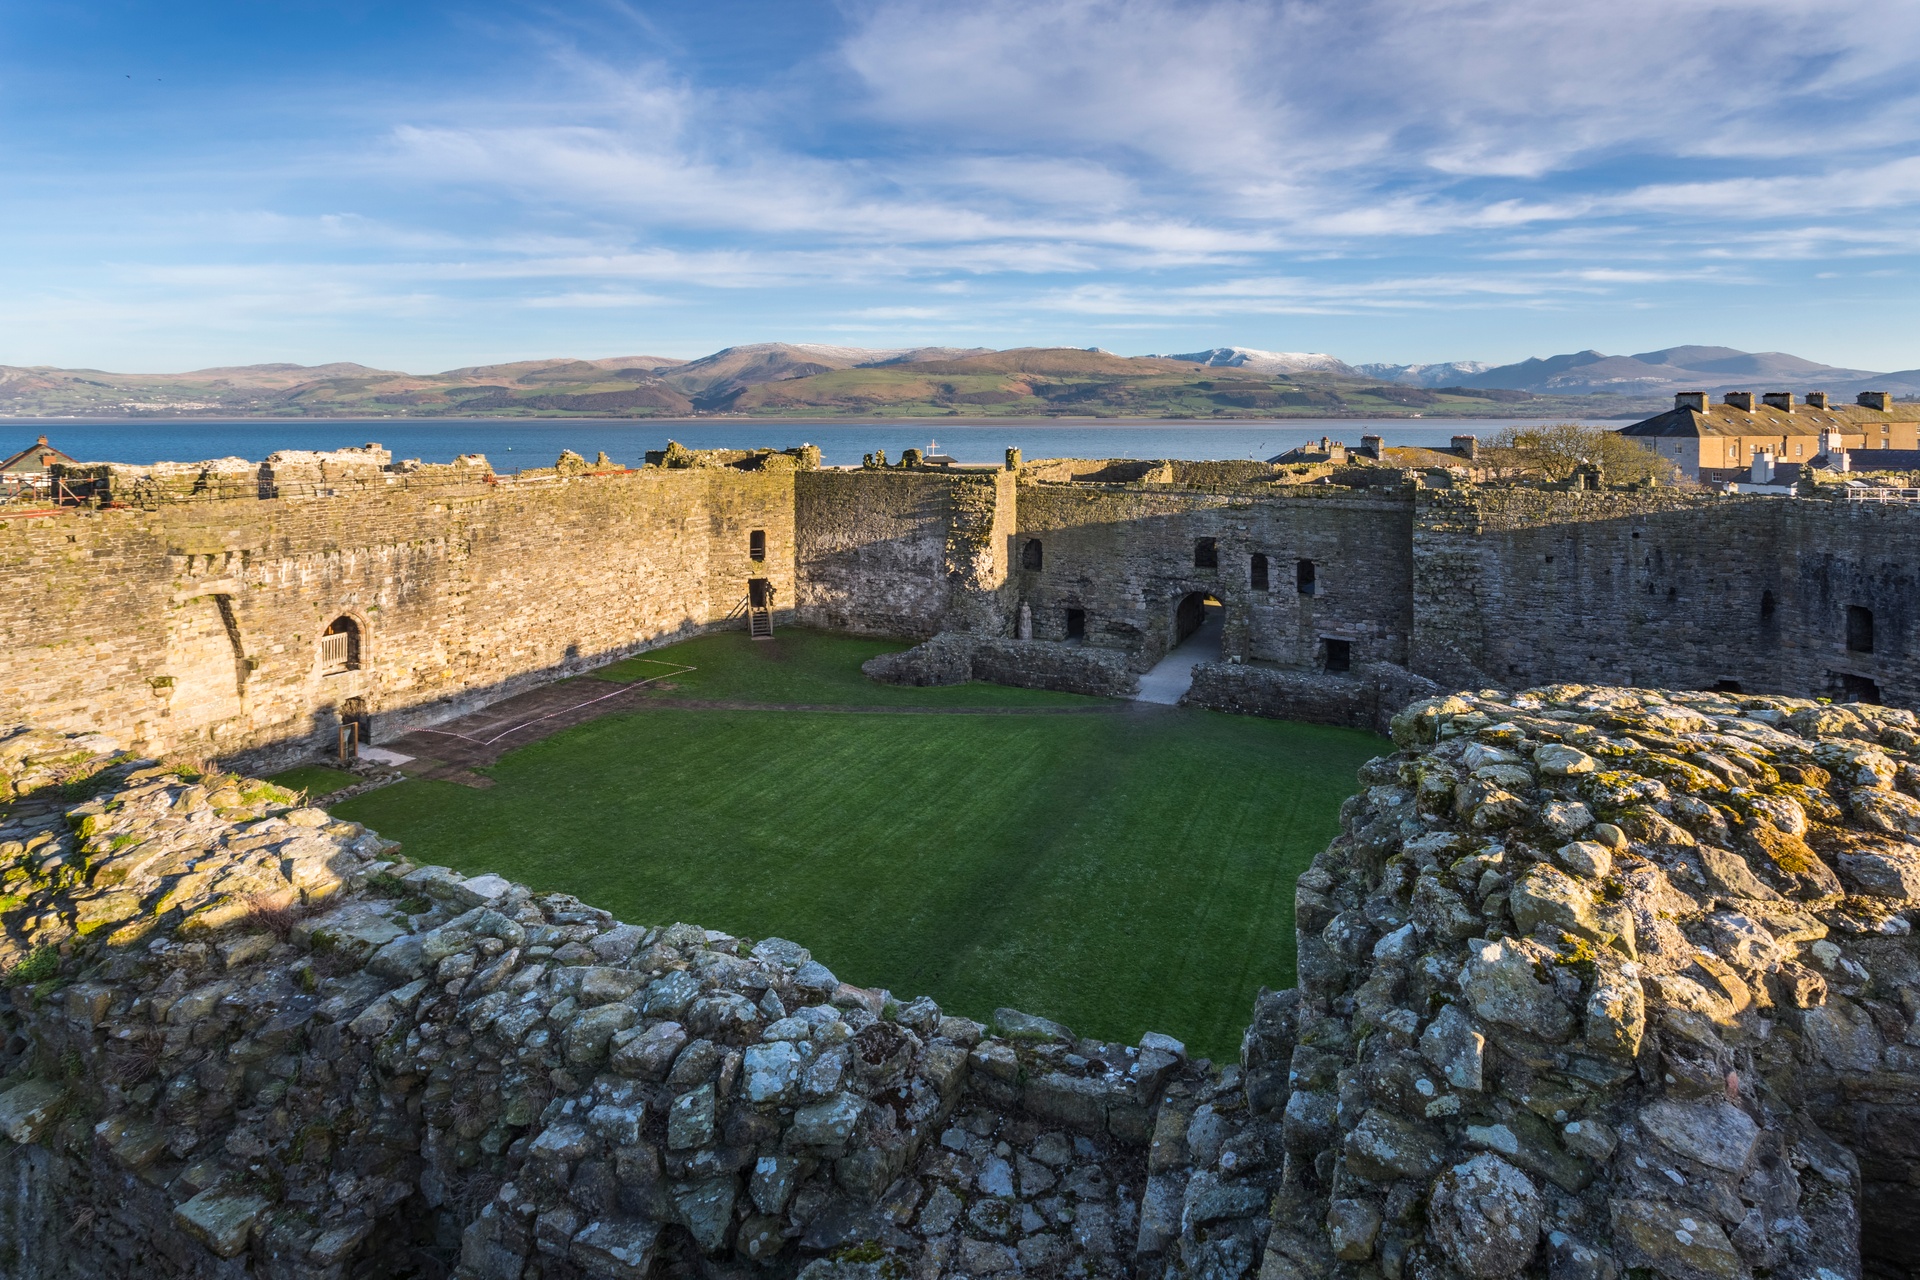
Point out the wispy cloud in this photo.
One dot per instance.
(1008, 165)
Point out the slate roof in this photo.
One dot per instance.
(1765, 420)
(28, 460)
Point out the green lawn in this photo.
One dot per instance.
(806, 667)
(1121, 872)
(315, 781)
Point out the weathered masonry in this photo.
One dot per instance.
(253, 612)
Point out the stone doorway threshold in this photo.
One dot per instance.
(1172, 676)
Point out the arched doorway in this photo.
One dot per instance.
(1196, 612)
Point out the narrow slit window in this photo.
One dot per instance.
(1766, 607)
(1206, 553)
(1257, 575)
(1304, 579)
(1030, 554)
(757, 545)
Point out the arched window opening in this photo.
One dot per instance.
(1304, 578)
(1030, 554)
(1257, 577)
(1859, 629)
(1206, 553)
(757, 545)
(340, 646)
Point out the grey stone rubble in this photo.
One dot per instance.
(1594, 983)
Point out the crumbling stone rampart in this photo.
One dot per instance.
(1595, 982)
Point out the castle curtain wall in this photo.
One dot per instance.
(195, 627)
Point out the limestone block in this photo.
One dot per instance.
(1716, 1134)
(1485, 1216)
(1500, 983)
(1455, 1047)
(1682, 1243)
(828, 1123)
(772, 1071)
(690, 1119)
(616, 1249)
(27, 1109)
(223, 1220)
(1882, 873)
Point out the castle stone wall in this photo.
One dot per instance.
(195, 627)
(873, 553)
(1126, 556)
(1517, 587)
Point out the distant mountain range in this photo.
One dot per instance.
(779, 379)
(1658, 372)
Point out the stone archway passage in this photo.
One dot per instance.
(1197, 624)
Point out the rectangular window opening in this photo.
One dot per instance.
(1076, 624)
(1304, 578)
(1859, 629)
(1859, 689)
(1206, 553)
(757, 545)
(1257, 576)
(1339, 654)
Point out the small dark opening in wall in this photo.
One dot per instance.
(1339, 654)
(1076, 624)
(354, 711)
(1030, 554)
(1303, 577)
(1257, 576)
(1725, 686)
(757, 545)
(1206, 553)
(1859, 689)
(1766, 606)
(1549, 559)
(1859, 629)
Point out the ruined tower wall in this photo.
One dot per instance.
(1126, 556)
(195, 627)
(1515, 587)
(872, 556)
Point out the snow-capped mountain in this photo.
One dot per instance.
(1448, 374)
(1255, 361)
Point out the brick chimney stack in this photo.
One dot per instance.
(1816, 399)
(1781, 400)
(1881, 400)
(1740, 400)
(1694, 400)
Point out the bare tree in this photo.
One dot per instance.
(1555, 451)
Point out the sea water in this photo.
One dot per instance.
(513, 444)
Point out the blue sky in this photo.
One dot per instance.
(421, 186)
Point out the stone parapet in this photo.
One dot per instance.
(952, 658)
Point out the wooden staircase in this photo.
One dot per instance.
(759, 604)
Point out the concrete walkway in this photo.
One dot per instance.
(1172, 676)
